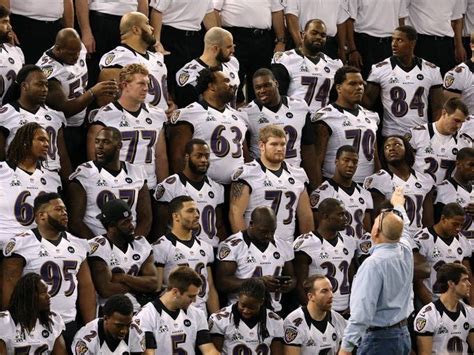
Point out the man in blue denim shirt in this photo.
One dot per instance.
(381, 297)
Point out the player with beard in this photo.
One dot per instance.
(29, 323)
(136, 38)
(314, 328)
(214, 121)
(119, 262)
(171, 323)
(397, 171)
(307, 73)
(58, 257)
(26, 103)
(105, 178)
(330, 251)
(194, 182)
(345, 122)
(445, 326)
(8, 53)
(218, 52)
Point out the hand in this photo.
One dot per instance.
(105, 88)
(279, 47)
(341, 53)
(271, 283)
(355, 59)
(469, 209)
(14, 39)
(459, 54)
(89, 41)
(286, 286)
(171, 107)
(398, 199)
(159, 48)
(343, 352)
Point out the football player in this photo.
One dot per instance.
(58, 257)
(194, 182)
(218, 52)
(306, 72)
(212, 120)
(114, 333)
(436, 144)
(291, 114)
(406, 84)
(119, 262)
(137, 37)
(438, 245)
(171, 323)
(180, 247)
(346, 122)
(22, 178)
(141, 125)
(27, 104)
(357, 201)
(256, 252)
(248, 326)
(314, 328)
(446, 325)
(330, 252)
(29, 326)
(105, 178)
(397, 170)
(269, 181)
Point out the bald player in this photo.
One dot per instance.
(136, 36)
(64, 65)
(218, 52)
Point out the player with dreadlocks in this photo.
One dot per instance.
(29, 327)
(397, 159)
(248, 326)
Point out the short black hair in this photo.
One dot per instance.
(118, 303)
(206, 77)
(345, 148)
(189, 147)
(328, 205)
(410, 32)
(14, 91)
(465, 153)
(310, 22)
(339, 77)
(44, 199)
(176, 205)
(4, 12)
(116, 134)
(452, 209)
(454, 104)
(263, 72)
(449, 272)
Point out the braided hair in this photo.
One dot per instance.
(21, 144)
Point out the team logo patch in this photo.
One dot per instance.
(81, 348)
(316, 116)
(448, 80)
(71, 250)
(175, 116)
(128, 180)
(314, 199)
(420, 77)
(43, 181)
(47, 70)
(45, 333)
(148, 120)
(276, 255)
(110, 57)
(183, 78)
(11, 60)
(224, 252)
(289, 115)
(210, 324)
(237, 173)
(47, 117)
(277, 56)
(290, 334)
(187, 322)
(93, 246)
(159, 191)
(211, 194)
(235, 117)
(420, 324)
(135, 257)
(10, 246)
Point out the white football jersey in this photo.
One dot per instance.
(129, 262)
(18, 190)
(448, 330)
(356, 200)
(11, 61)
(332, 259)
(415, 190)
(439, 251)
(73, 78)
(292, 116)
(140, 131)
(279, 190)
(101, 186)
(314, 337)
(175, 332)
(40, 341)
(91, 340)
(224, 132)
(253, 262)
(435, 152)
(171, 252)
(450, 191)
(309, 81)
(157, 89)
(404, 94)
(460, 80)
(57, 263)
(207, 195)
(13, 116)
(244, 338)
(357, 128)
